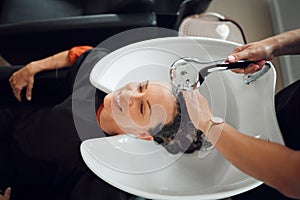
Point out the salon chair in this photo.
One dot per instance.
(212, 25)
(170, 13)
(31, 30)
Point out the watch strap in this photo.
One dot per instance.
(214, 135)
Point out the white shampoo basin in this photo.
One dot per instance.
(146, 169)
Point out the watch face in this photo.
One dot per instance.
(217, 120)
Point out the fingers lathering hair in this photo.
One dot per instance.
(180, 135)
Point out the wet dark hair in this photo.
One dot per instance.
(180, 135)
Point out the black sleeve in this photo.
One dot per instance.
(287, 105)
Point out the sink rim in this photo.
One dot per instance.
(248, 184)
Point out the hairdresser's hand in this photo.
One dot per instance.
(23, 78)
(261, 51)
(6, 194)
(198, 109)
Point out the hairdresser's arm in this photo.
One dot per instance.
(24, 78)
(287, 43)
(272, 163)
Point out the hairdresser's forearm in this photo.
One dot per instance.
(287, 43)
(272, 163)
(57, 61)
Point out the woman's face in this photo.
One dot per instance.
(137, 107)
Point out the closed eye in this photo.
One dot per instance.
(149, 106)
(140, 87)
(142, 107)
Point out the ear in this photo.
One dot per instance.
(144, 136)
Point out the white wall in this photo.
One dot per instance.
(254, 17)
(285, 16)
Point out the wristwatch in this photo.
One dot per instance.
(213, 121)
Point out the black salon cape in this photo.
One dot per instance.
(40, 154)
